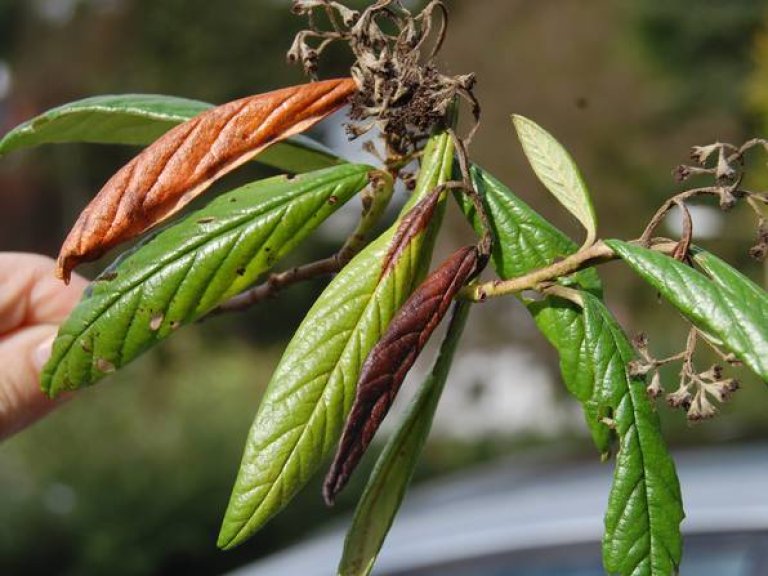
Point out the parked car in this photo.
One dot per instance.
(524, 519)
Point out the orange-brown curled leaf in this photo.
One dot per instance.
(186, 160)
(388, 363)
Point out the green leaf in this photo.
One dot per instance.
(389, 480)
(732, 281)
(562, 323)
(189, 268)
(558, 172)
(732, 310)
(526, 242)
(139, 119)
(302, 413)
(642, 523)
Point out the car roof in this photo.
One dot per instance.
(523, 504)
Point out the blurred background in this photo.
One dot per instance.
(133, 476)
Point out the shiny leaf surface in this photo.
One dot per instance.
(526, 242)
(190, 268)
(732, 309)
(301, 415)
(140, 119)
(642, 522)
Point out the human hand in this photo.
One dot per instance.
(32, 305)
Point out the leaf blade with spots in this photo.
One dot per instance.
(184, 162)
(302, 412)
(140, 119)
(190, 268)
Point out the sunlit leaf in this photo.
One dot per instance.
(732, 310)
(526, 242)
(190, 268)
(642, 522)
(140, 119)
(558, 172)
(389, 480)
(301, 415)
(185, 161)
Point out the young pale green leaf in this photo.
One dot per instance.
(389, 480)
(139, 119)
(189, 268)
(302, 413)
(558, 172)
(642, 523)
(526, 242)
(731, 310)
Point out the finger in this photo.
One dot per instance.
(30, 294)
(22, 356)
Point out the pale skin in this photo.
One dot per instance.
(33, 303)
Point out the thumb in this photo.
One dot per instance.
(22, 355)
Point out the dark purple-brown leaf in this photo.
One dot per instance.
(391, 359)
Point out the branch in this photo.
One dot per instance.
(598, 253)
(375, 201)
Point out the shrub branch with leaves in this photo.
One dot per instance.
(344, 366)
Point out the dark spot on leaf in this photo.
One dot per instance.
(206, 220)
(240, 271)
(332, 200)
(107, 276)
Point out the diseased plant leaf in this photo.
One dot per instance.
(303, 409)
(729, 310)
(526, 242)
(140, 119)
(389, 480)
(642, 522)
(558, 172)
(190, 268)
(388, 363)
(182, 163)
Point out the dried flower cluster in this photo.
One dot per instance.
(400, 89)
(697, 390)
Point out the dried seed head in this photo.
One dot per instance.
(680, 398)
(760, 249)
(400, 89)
(654, 389)
(701, 408)
(681, 173)
(639, 368)
(701, 154)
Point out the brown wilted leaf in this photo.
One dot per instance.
(182, 163)
(391, 359)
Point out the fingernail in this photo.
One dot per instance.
(43, 353)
